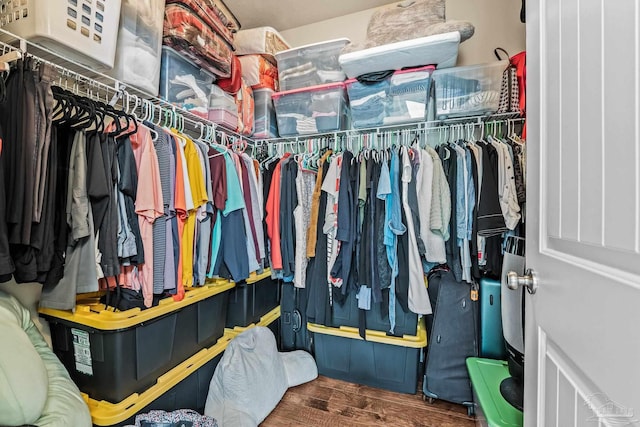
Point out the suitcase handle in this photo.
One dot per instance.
(296, 321)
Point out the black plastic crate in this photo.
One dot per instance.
(184, 387)
(347, 314)
(271, 320)
(249, 301)
(391, 363)
(111, 355)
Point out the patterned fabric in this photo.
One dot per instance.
(191, 36)
(179, 418)
(409, 20)
(509, 93)
(212, 13)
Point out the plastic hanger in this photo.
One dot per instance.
(7, 58)
(221, 148)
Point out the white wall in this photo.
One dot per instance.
(497, 24)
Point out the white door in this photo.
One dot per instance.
(582, 361)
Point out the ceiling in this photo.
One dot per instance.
(287, 14)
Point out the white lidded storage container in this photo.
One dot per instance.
(139, 48)
(260, 40)
(83, 30)
(468, 91)
(311, 65)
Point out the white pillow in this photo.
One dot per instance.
(23, 376)
(252, 377)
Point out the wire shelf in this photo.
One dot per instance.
(85, 80)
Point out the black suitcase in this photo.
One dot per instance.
(293, 319)
(452, 338)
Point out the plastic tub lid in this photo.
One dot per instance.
(337, 43)
(501, 65)
(327, 86)
(265, 320)
(91, 312)
(105, 413)
(253, 277)
(486, 376)
(413, 341)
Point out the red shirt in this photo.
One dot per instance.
(273, 216)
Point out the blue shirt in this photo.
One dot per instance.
(235, 197)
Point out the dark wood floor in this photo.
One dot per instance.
(328, 402)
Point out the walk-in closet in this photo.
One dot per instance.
(286, 213)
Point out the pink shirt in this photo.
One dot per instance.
(149, 203)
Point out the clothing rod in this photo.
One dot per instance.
(420, 127)
(96, 80)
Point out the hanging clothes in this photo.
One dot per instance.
(319, 303)
(149, 203)
(418, 298)
(305, 183)
(6, 263)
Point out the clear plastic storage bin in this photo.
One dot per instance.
(266, 125)
(400, 98)
(139, 48)
(183, 84)
(468, 91)
(222, 108)
(316, 109)
(83, 30)
(311, 65)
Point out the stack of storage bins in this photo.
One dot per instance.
(198, 48)
(313, 98)
(222, 108)
(254, 302)
(257, 48)
(385, 360)
(127, 361)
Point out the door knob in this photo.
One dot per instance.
(529, 281)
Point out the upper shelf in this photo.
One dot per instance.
(90, 82)
(86, 80)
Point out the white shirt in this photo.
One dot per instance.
(419, 302)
